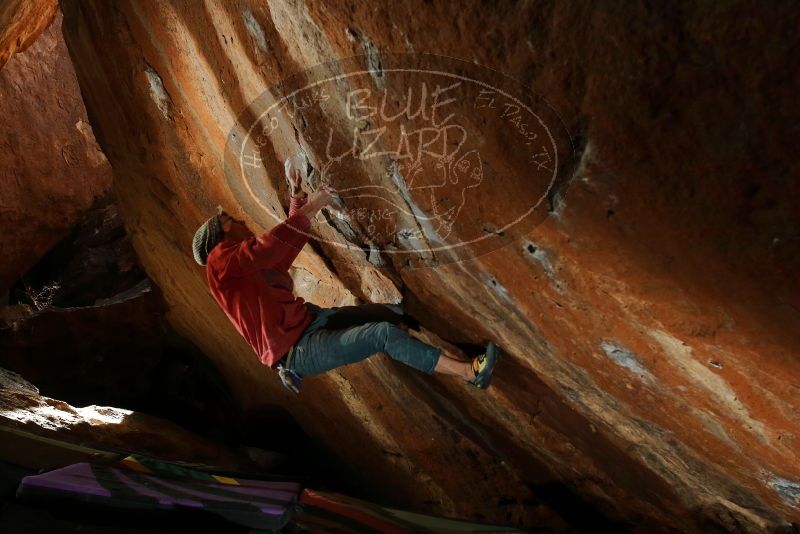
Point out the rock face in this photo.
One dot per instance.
(21, 406)
(21, 22)
(51, 169)
(118, 353)
(650, 321)
(94, 263)
(99, 336)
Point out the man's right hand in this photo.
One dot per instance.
(325, 195)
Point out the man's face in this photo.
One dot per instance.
(234, 228)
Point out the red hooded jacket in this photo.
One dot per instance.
(250, 281)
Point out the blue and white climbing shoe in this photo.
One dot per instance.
(483, 366)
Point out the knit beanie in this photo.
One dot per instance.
(206, 238)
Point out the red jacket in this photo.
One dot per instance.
(250, 281)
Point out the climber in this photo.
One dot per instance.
(248, 276)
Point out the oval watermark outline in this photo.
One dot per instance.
(548, 191)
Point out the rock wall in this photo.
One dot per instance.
(21, 22)
(21, 406)
(650, 321)
(51, 169)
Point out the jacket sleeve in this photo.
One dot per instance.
(294, 212)
(275, 249)
(296, 203)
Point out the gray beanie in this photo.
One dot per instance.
(206, 238)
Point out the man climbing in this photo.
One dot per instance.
(248, 275)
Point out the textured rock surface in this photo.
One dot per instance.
(100, 337)
(95, 262)
(96, 354)
(21, 22)
(651, 322)
(118, 353)
(22, 406)
(51, 169)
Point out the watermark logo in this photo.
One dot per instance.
(434, 159)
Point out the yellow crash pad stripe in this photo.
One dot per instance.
(226, 480)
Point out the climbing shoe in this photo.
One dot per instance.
(290, 380)
(483, 366)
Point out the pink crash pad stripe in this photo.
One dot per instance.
(265, 507)
(163, 498)
(77, 478)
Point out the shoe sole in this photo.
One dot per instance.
(484, 380)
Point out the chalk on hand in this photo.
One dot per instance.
(297, 161)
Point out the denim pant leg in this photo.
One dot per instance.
(322, 350)
(341, 317)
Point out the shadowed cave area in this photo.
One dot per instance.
(608, 193)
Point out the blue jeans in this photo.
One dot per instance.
(348, 334)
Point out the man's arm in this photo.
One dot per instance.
(296, 203)
(274, 248)
(279, 247)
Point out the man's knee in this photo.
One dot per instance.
(384, 332)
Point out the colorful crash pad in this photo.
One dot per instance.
(252, 503)
(334, 512)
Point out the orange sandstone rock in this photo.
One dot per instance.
(51, 169)
(650, 321)
(21, 22)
